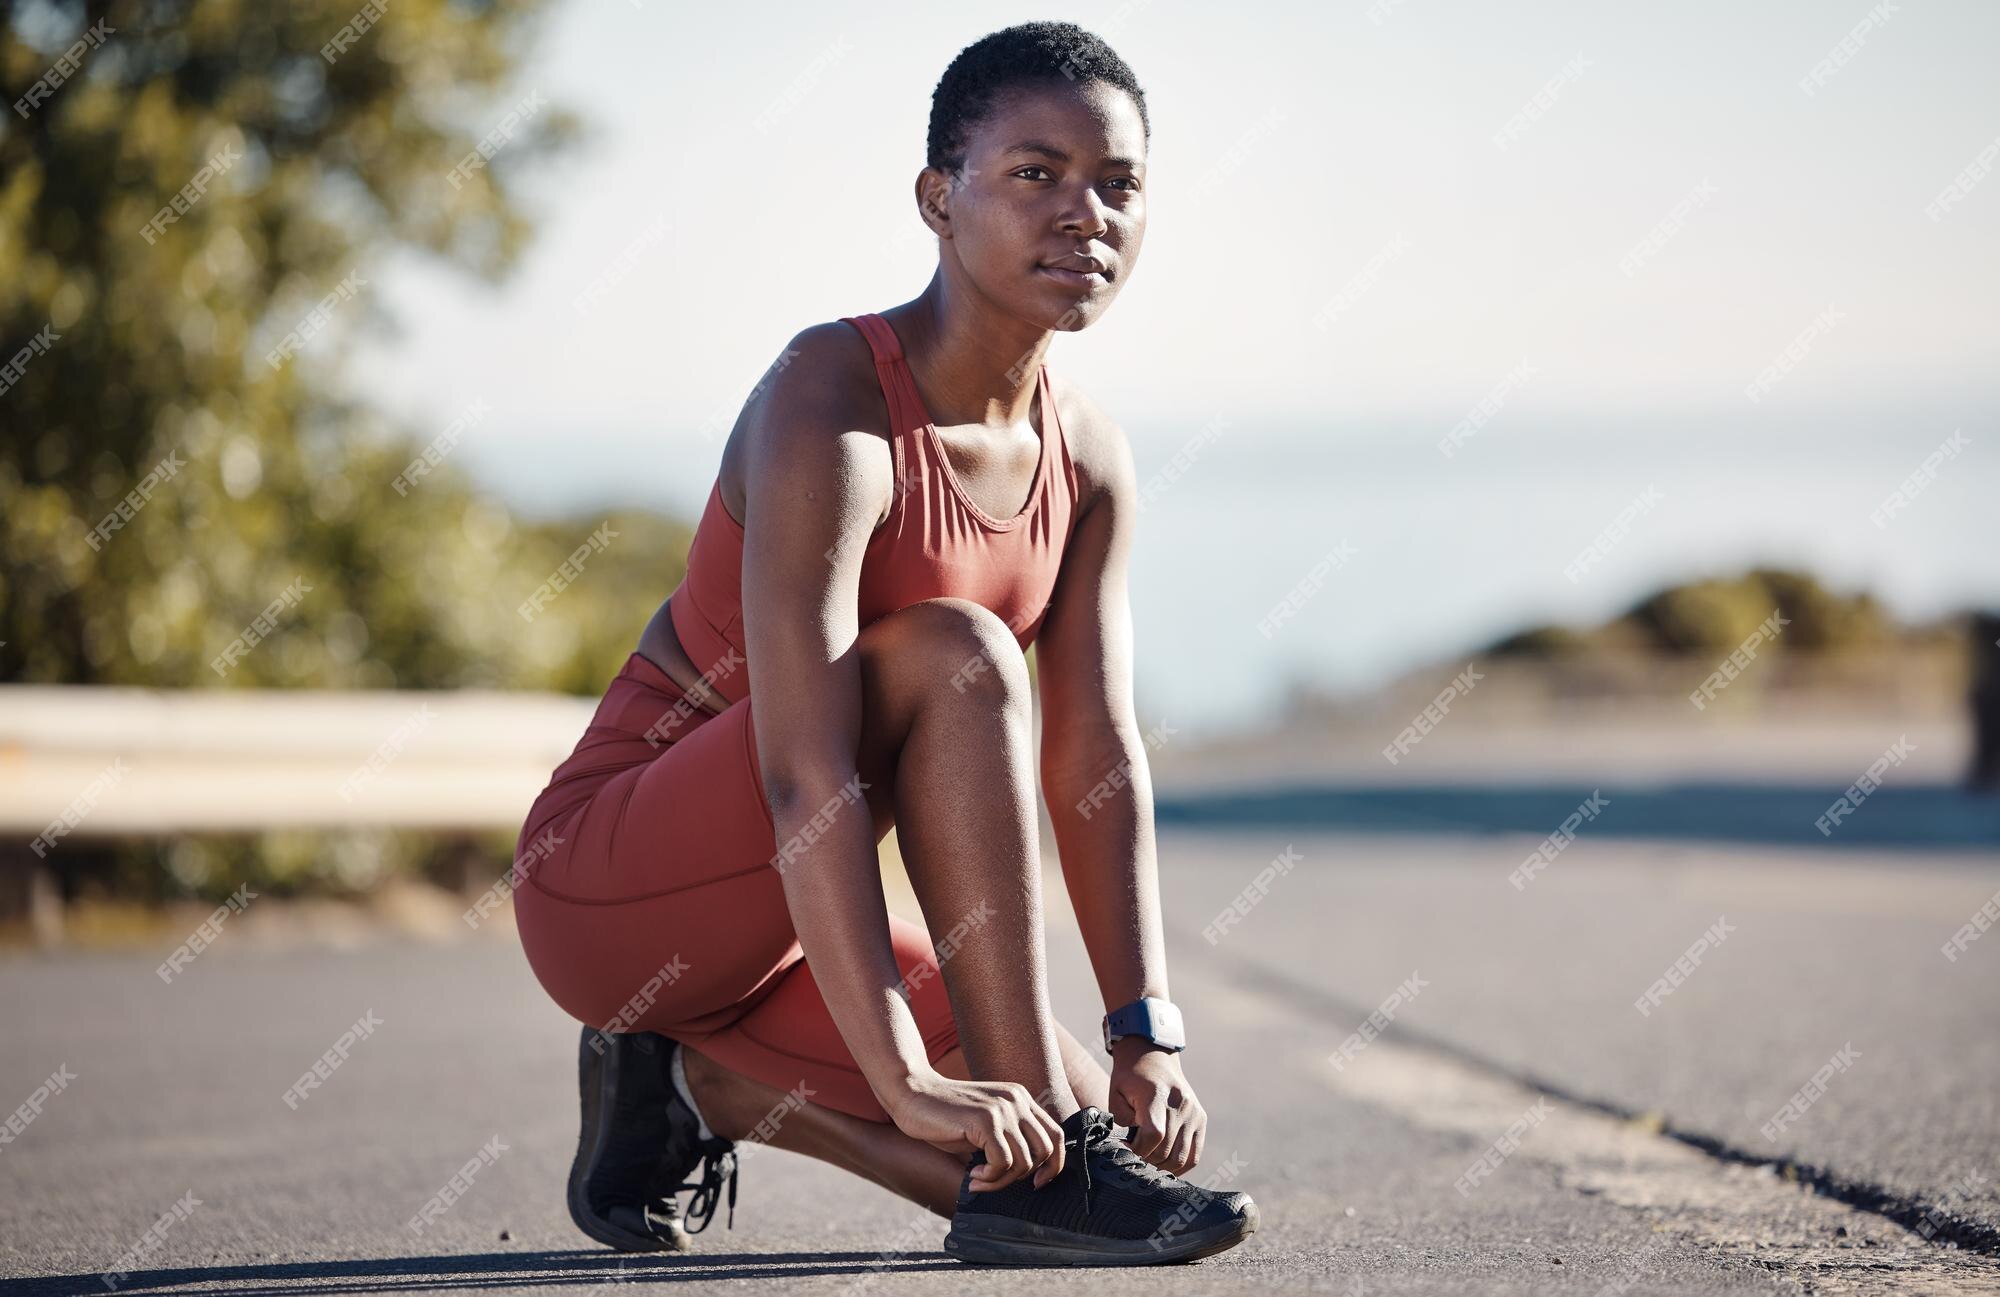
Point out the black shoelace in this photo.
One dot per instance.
(715, 1167)
(1139, 1168)
(1097, 1128)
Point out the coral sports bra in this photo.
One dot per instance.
(935, 541)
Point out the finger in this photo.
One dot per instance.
(1121, 1109)
(1170, 1127)
(1017, 1144)
(1200, 1141)
(1040, 1147)
(1059, 1156)
(1182, 1146)
(1006, 1153)
(1153, 1128)
(999, 1157)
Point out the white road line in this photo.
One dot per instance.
(1825, 1245)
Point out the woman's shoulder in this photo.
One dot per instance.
(819, 387)
(823, 379)
(1098, 448)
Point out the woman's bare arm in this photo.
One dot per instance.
(815, 482)
(1100, 792)
(1093, 759)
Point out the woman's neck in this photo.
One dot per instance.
(974, 363)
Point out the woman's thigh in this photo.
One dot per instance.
(660, 901)
(655, 898)
(790, 1042)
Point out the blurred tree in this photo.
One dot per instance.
(193, 201)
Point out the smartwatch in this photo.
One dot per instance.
(1155, 1019)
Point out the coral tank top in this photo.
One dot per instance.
(935, 541)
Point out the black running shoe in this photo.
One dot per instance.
(1108, 1207)
(638, 1143)
(714, 1158)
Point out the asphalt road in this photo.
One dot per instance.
(1525, 1010)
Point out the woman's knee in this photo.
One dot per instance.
(935, 658)
(947, 649)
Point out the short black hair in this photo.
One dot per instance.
(1038, 53)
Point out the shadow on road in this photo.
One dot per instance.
(1922, 817)
(588, 1270)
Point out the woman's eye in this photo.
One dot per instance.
(1022, 172)
(1126, 180)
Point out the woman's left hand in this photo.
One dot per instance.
(1149, 1094)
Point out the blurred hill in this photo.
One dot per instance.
(1838, 679)
(1717, 615)
(1831, 655)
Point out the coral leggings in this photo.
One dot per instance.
(647, 901)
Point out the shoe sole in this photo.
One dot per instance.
(983, 1239)
(599, 1086)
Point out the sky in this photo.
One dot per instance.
(1367, 222)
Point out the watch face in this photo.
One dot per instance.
(1157, 1020)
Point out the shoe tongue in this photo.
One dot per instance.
(1088, 1126)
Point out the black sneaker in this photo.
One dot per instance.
(638, 1143)
(1108, 1207)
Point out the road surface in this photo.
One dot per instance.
(1638, 1163)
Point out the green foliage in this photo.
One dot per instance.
(1715, 616)
(298, 174)
(161, 350)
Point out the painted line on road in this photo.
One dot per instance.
(1751, 1212)
(1937, 1220)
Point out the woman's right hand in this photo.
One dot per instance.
(999, 1118)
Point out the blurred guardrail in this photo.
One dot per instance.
(104, 761)
(114, 761)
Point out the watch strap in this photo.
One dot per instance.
(1156, 1019)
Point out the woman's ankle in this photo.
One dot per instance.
(714, 1091)
(681, 1087)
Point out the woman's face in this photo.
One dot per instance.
(1054, 181)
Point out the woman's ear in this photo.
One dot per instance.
(934, 200)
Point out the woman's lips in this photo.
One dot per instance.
(1075, 278)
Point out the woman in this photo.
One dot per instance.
(906, 502)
